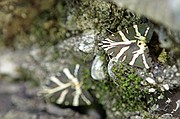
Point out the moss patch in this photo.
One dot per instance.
(125, 93)
(129, 89)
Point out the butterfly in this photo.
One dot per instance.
(66, 88)
(130, 46)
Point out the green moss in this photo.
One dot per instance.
(49, 27)
(87, 80)
(128, 94)
(122, 95)
(125, 94)
(163, 56)
(101, 16)
(131, 93)
(17, 21)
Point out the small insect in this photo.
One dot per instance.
(66, 88)
(129, 45)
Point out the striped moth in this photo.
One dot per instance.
(66, 88)
(129, 46)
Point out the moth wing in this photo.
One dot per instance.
(64, 97)
(69, 97)
(116, 37)
(66, 92)
(113, 46)
(57, 88)
(116, 49)
(144, 60)
(145, 31)
(128, 54)
(74, 98)
(86, 98)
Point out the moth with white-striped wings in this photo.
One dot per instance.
(130, 46)
(66, 88)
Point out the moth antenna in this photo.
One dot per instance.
(110, 31)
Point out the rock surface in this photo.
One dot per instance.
(19, 101)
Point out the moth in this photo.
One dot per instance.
(130, 46)
(66, 88)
